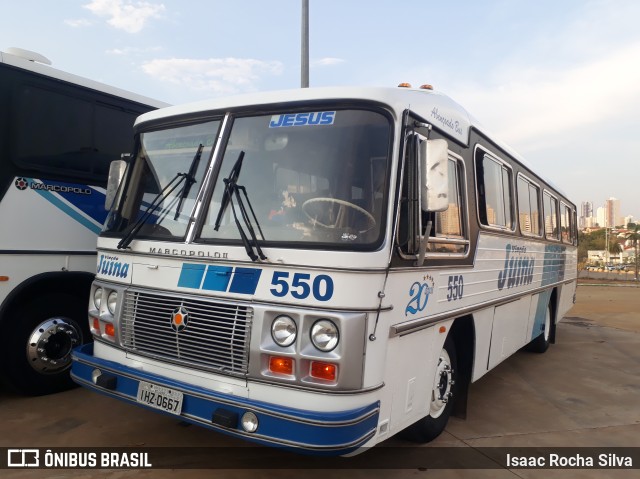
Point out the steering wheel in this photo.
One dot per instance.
(336, 222)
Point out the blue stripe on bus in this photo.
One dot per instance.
(61, 205)
(91, 204)
(322, 432)
(553, 271)
(245, 280)
(191, 275)
(225, 279)
(217, 278)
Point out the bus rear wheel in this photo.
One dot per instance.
(39, 337)
(541, 343)
(443, 395)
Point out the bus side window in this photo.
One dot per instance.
(550, 217)
(528, 207)
(449, 232)
(494, 192)
(566, 226)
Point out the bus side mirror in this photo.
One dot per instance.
(435, 175)
(116, 173)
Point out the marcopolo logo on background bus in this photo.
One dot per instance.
(24, 183)
(302, 119)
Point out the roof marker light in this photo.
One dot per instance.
(426, 86)
(404, 85)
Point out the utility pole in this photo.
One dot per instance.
(304, 57)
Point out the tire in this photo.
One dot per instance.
(38, 339)
(443, 396)
(541, 343)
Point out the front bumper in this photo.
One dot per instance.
(305, 430)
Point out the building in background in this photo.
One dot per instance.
(586, 215)
(601, 217)
(628, 219)
(607, 216)
(613, 217)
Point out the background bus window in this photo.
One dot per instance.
(59, 133)
(494, 193)
(528, 209)
(550, 216)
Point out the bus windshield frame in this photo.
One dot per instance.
(310, 179)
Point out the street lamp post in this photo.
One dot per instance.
(304, 56)
(606, 247)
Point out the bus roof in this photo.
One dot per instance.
(437, 108)
(433, 106)
(34, 62)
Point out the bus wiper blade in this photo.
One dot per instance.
(153, 206)
(226, 195)
(191, 179)
(231, 190)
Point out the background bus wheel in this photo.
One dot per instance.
(541, 343)
(443, 395)
(39, 337)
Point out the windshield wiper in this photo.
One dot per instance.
(232, 189)
(191, 179)
(157, 201)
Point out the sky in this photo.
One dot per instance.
(557, 80)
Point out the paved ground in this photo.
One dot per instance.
(585, 391)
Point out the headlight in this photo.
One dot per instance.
(97, 298)
(249, 422)
(284, 331)
(324, 335)
(112, 302)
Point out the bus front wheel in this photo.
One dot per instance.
(443, 395)
(39, 337)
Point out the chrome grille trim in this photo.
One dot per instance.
(215, 339)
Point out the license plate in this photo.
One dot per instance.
(160, 397)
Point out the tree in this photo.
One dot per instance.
(590, 241)
(634, 237)
(615, 247)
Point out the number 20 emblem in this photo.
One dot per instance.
(419, 293)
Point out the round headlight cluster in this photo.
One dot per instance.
(325, 335)
(97, 298)
(284, 331)
(112, 302)
(112, 299)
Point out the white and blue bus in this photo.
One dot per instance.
(321, 269)
(58, 135)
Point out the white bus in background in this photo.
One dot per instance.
(321, 269)
(58, 135)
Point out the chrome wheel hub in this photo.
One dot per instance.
(442, 385)
(50, 344)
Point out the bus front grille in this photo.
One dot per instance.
(195, 332)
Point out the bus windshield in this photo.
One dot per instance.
(163, 182)
(311, 178)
